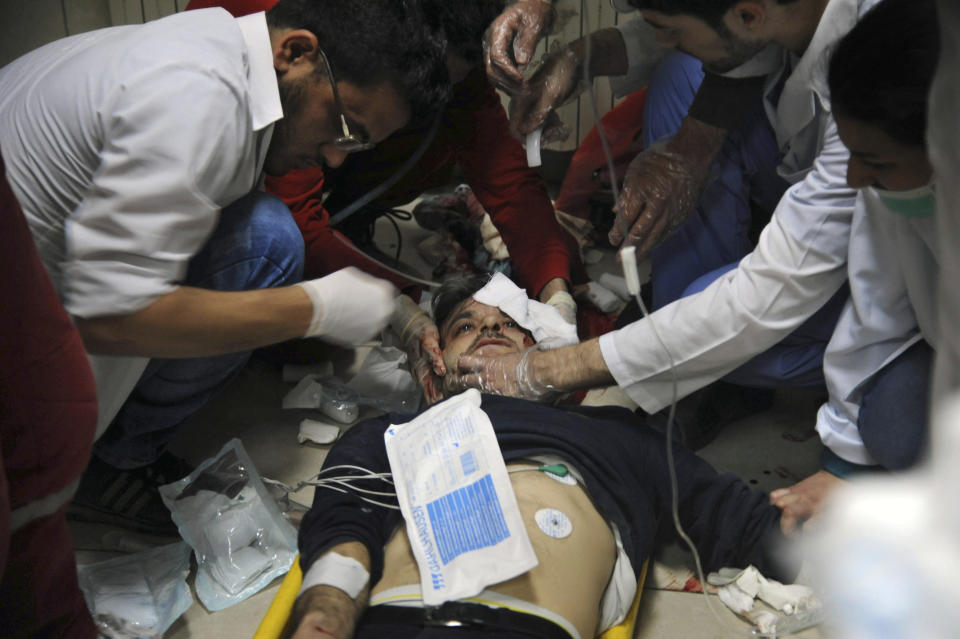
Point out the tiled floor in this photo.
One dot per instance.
(771, 449)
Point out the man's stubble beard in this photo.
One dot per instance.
(738, 52)
(292, 99)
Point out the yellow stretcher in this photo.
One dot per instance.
(282, 604)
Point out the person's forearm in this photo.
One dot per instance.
(608, 53)
(697, 139)
(555, 285)
(328, 610)
(572, 367)
(193, 322)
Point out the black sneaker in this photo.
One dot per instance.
(128, 498)
(703, 414)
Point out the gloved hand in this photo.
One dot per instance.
(512, 375)
(349, 306)
(510, 40)
(557, 80)
(565, 305)
(421, 342)
(663, 185)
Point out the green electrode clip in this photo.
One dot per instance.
(555, 469)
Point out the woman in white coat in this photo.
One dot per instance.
(878, 362)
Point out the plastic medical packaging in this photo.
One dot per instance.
(138, 595)
(241, 540)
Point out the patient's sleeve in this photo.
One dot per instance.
(729, 523)
(337, 517)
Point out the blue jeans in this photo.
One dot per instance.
(255, 245)
(895, 409)
(743, 184)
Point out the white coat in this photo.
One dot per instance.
(893, 269)
(799, 261)
(122, 158)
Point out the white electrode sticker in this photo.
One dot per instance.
(554, 523)
(455, 495)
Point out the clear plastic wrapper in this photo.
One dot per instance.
(138, 595)
(511, 39)
(240, 538)
(511, 374)
(383, 382)
(663, 185)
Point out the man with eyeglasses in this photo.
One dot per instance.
(135, 153)
(472, 134)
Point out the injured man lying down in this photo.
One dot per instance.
(590, 500)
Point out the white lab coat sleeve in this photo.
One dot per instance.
(876, 326)
(144, 216)
(798, 264)
(643, 56)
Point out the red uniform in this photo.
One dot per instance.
(48, 416)
(474, 134)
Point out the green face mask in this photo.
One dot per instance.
(919, 202)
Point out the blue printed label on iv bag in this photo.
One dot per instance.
(462, 517)
(467, 519)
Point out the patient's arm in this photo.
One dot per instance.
(730, 524)
(327, 612)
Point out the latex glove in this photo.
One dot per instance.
(420, 340)
(663, 185)
(349, 307)
(565, 305)
(512, 375)
(557, 80)
(510, 40)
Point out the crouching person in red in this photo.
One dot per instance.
(48, 414)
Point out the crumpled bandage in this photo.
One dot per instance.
(738, 589)
(545, 322)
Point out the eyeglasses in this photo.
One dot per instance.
(348, 142)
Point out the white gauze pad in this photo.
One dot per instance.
(333, 569)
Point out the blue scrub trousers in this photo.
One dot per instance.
(743, 183)
(894, 419)
(255, 245)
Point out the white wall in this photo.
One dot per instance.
(27, 24)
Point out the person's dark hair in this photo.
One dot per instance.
(710, 11)
(881, 71)
(452, 292)
(372, 41)
(464, 22)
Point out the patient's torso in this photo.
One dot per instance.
(572, 571)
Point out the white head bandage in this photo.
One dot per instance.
(542, 320)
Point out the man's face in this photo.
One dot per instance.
(719, 53)
(311, 121)
(475, 328)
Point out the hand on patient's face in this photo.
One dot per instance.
(511, 39)
(510, 374)
(420, 340)
(427, 364)
(803, 500)
(326, 613)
